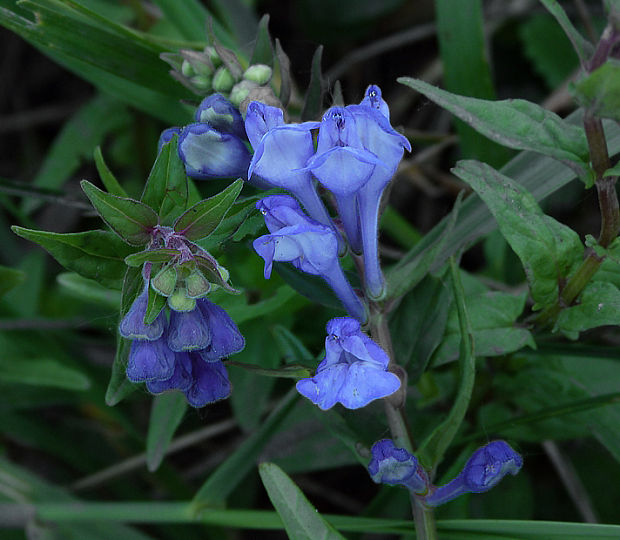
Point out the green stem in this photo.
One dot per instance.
(423, 517)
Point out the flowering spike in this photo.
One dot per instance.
(395, 466)
(354, 371)
(484, 470)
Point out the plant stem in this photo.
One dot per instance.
(610, 219)
(423, 516)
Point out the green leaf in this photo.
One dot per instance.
(582, 46)
(599, 305)
(548, 49)
(312, 287)
(130, 219)
(515, 123)
(88, 289)
(434, 447)
(166, 187)
(424, 309)
(76, 141)
(162, 255)
(188, 17)
(599, 91)
(107, 177)
(492, 316)
(9, 278)
(313, 104)
(156, 303)
(291, 348)
(466, 70)
(94, 255)
(41, 372)
(229, 474)
(263, 48)
(548, 250)
(301, 520)
(203, 218)
(239, 18)
(166, 414)
(240, 311)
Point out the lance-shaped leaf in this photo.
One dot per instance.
(515, 123)
(95, 255)
(166, 414)
(162, 255)
(313, 103)
(155, 304)
(212, 272)
(166, 187)
(263, 48)
(204, 217)
(107, 177)
(548, 250)
(130, 219)
(600, 90)
(301, 520)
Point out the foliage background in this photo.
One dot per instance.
(56, 426)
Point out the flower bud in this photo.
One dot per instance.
(241, 91)
(179, 301)
(258, 73)
(395, 466)
(223, 81)
(201, 82)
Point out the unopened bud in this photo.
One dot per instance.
(179, 301)
(200, 82)
(187, 69)
(258, 73)
(241, 91)
(223, 81)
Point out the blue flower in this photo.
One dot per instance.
(373, 98)
(183, 353)
(395, 466)
(354, 371)
(484, 470)
(281, 152)
(310, 246)
(259, 119)
(201, 380)
(219, 113)
(207, 153)
(132, 326)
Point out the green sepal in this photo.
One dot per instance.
(197, 285)
(162, 255)
(130, 219)
(263, 47)
(599, 91)
(179, 301)
(214, 273)
(515, 123)
(95, 254)
(165, 281)
(155, 304)
(549, 250)
(166, 189)
(203, 218)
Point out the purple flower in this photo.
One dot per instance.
(484, 469)
(308, 245)
(150, 360)
(219, 113)
(373, 99)
(395, 466)
(188, 330)
(207, 153)
(225, 336)
(133, 326)
(202, 381)
(354, 371)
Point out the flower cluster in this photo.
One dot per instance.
(357, 154)
(354, 371)
(484, 470)
(184, 349)
(214, 145)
